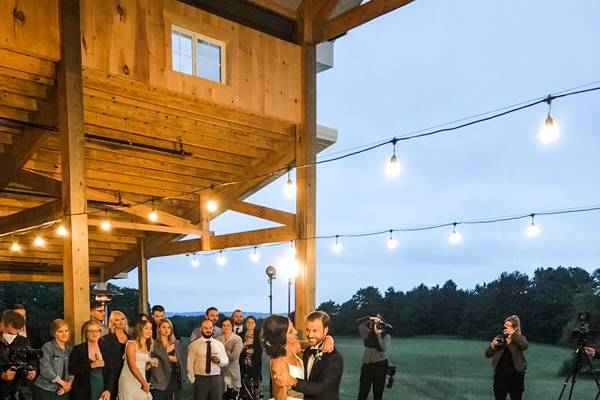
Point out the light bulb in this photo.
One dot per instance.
(153, 216)
(62, 231)
(15, 247)
(391, 242)
(39, 241)
(532, 230)
(212, 206)
(292, 250)
(455, 237)
(393, 167)
(289, 188)
(106, 226)
(195, 263)
(254, 256)
(549, 132)
(221, 260)
(336, 246)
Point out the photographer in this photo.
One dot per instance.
(375, 359)
(509, 366)
(15, 357)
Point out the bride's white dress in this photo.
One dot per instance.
(298, 373)
(129, 387)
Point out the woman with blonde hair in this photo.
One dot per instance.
(114, 342)
(166, 378)
(508, 359)
(132, 382)
(54, 381)
(93, 376)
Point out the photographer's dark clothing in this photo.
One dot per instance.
(372, 374)
(86, 377)
(114, 351)
(323, 381)
(509, 368)
(6, 352)
(375, 361)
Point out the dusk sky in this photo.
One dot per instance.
(426, 64)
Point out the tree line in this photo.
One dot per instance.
(547, 303)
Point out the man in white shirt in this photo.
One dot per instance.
(237, 317)
(206, 357)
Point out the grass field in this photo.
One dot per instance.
(448, 368)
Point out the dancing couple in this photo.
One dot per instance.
(314, 374)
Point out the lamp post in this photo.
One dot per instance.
(271, 274)
(101, 294)
(291, 270)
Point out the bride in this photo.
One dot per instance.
(280, 341)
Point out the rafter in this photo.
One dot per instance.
(31, 217)
(355, 17)
(253, 238)
(148, 227)
(255, 210)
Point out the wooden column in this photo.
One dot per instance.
(306, 197)
(76, 271)
(143, 279)
(204, 218)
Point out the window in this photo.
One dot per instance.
(197, 55)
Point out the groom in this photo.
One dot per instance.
(322, 371)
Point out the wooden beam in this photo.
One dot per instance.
(355, 17)
(134, 226)
(76, 267)
(142, 279)
(253, 238)
(270, 214)
(31, 217)
(175, 248)
(37, 277)
(40, 183)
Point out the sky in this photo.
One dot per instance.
(425, 64)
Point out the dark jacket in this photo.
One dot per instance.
(516, 347)
(114, 350)
(251, 365)
(325, 376)
(5, 363)
(81, 366)
(160, 376)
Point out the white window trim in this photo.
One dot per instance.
(195, 37)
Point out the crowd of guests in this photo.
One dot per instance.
(139, 362)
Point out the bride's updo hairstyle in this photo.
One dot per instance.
(273, 336)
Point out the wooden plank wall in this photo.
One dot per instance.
(131, 38)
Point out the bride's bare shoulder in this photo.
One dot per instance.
(279, 365)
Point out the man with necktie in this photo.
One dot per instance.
(206, 357)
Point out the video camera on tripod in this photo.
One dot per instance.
(582, 331)
(21, 360)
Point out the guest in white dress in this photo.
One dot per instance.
(280, 341)
(132, 382)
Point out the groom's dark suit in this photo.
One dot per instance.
(325, 376)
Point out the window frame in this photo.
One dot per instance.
(195, 42)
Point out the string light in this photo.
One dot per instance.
(289, 188)
(39, 241)
(292, 250)
(392, 243)
(336, 246)
(212, 206)
(550, 132)
(221, 260)
(15, 247)
(153, 216)
(62, 231)
(106, 225)
(254, 256)
(195, 263)
(532, 230)
(393, 167)
(455, 237)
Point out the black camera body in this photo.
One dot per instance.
(501, 340)
(22, 359)
(582, 330)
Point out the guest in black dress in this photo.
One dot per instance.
(114, 343)
(90, 367)
(251, 361)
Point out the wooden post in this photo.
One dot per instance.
(306, 197)
(76, 271)
(143, 279)
(204, 218)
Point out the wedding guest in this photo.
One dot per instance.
(54, 381)
(206, 358)
(232, 379)
(251, 361)
(212, 314)
(98, 313)
(92, 375)
(133, 384)
(114, 343)
(166, 379)
(159, 314)
(237, 318)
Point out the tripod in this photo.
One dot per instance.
(576, 368)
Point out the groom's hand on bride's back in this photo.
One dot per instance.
(328, 344)
(282, 378)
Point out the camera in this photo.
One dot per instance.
(380, 325)
(582, 330)
(21, 359)
(501, 340)
(390, 372)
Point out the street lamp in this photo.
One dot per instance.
(103, 295)
(290, 266)
(271, 274)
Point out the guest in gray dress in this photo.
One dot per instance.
(233, 347)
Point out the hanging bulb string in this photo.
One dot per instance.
(454, 224)
(343, 156)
